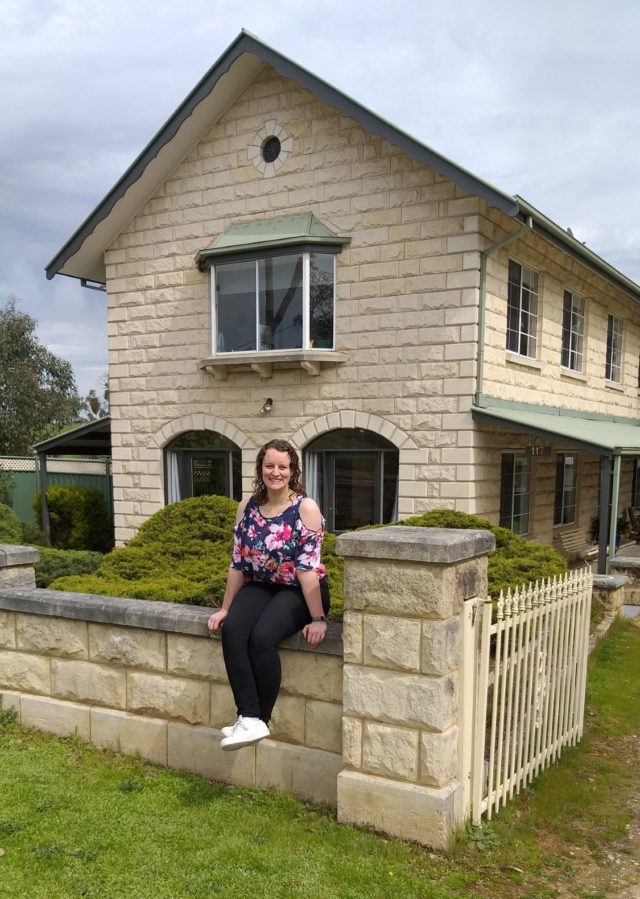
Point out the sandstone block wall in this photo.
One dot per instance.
(143, 677)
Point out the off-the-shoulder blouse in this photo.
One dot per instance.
(273, 549)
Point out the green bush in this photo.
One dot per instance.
(78, 518)
(10, 526)
(180, 554)
(56, 563)
(33, 535)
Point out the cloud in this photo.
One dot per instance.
(539, 100)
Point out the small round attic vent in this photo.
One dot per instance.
(271, 148)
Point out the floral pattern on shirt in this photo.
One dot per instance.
(274, 549)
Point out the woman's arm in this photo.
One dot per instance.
(235, 580)
(315, 632)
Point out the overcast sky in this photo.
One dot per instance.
(539, 99)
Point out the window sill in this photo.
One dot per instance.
(525, 361)
(263, 363)
(573, 375)
(614, 385)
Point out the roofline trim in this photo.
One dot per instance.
(248, 43)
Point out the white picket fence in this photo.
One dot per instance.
(530, 688)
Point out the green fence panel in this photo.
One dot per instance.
(27, 485)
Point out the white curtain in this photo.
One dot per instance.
(173, 479)
(311, 475)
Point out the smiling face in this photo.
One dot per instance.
(276, 469)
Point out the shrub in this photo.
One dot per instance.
(78, 518)
(55, 563)
(180, 554)
(33, 535)
(10, 526)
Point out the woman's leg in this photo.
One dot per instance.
(249, 604)
(285, 614)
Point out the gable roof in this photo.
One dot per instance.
(82, 256)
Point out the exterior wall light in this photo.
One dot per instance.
(267, 406)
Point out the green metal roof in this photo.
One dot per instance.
(267, 234)
(601, 434)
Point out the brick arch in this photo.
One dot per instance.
(349, 419)
(199, 421)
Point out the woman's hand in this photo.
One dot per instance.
(314, 633)
(215, 621)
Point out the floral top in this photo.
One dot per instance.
(273, 549)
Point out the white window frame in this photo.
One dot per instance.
(523, 341)
(306, 287)
(613, 359)
(572, 352)
(519, 488)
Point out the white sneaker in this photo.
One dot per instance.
(227, 730)
(245, 732)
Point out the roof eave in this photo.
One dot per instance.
(246, 43)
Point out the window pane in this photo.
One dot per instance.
(566, 489)
(522, 310)
(321, 300)
(209, 476)
(515, 491)
(613, 369)
(350, 438)
(236, 306)
(355, 491)
(572, 331)
(280, 302)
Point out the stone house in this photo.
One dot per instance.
(279, 261)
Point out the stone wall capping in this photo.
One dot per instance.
(412, 544)
(160, 616)
(10, 555)
(609, 581)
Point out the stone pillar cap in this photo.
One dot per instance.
(11, 556)
(411, 544)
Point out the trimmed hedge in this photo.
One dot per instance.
(78, 518)
(55, 563)
(10, 526)
(181, 554)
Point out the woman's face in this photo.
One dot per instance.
(276, 469)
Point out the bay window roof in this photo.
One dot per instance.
(265, 235)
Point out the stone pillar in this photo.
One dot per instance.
(16, 565)
(404, 595)
(610, 590)
(629, 568)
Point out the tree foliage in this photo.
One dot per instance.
(96, 403)
(37, 388)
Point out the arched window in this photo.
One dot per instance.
(353, 475)
(198, 463)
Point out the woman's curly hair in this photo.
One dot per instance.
(295, 480)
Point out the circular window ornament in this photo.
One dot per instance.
(270, 148)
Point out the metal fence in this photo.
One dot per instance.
(93, 473)
(531, 685)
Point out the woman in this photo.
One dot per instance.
(276, 586)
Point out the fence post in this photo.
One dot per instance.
(404, 597)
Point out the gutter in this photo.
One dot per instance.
(484, 255)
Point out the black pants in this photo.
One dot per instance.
(260, 617)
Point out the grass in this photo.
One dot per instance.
(79, 822)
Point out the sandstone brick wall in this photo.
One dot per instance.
(146, 678)
(407, 306)
(406, 298)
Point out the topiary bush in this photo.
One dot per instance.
(55, 563)
(180, 554)
(78, 518)
(10, 526)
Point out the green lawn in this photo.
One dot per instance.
(78, 822)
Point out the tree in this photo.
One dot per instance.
(96, 403)
(37, 389)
